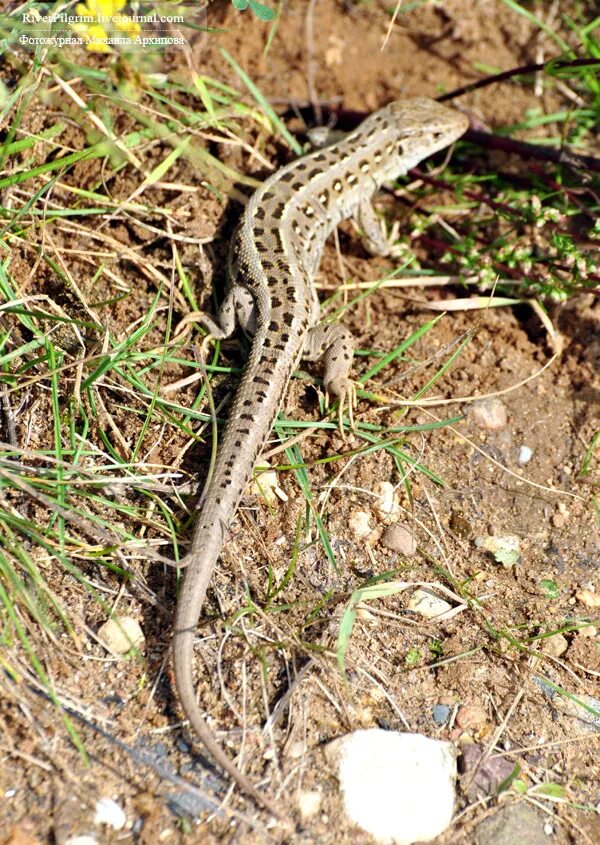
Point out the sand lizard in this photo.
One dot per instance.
(273, 259)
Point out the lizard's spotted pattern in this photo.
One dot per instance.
(273, 259)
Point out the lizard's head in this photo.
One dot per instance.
(413, 129)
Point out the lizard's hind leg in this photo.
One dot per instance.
(335, 345)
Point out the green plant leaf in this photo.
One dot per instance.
(261, 11)
(550, 587)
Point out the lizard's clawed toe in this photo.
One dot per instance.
(344, 390)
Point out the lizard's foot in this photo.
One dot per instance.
(344, 390)
(385, 243)
(184, 326)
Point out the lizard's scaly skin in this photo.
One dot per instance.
(274, 257)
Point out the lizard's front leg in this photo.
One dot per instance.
(238, 307)
(373, 238)
(334, 344)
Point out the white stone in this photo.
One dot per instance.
(309, 803)
(525, 455)
(359, 525)
(108, 812)
(489, 414)
(386, 505)
(399, 787)
(83, 839)
(264, 483)
(426, 603)
(120, 634)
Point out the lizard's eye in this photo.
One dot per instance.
(400, 149)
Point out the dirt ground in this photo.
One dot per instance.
(483, 663)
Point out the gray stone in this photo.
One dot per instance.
(516, 823)
(441, 714)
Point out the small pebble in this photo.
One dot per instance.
(386, 505)
(555, 646)
(108, 812)
(426, 603)
(525, 455)
(309, 803)
(489, 414)
(264, 483)
(519, 822)
(296, 750)
(480, 776)
(120, 634)
(399, 538)
(399, 787)
(81, 839)
(588, 631)
(359, 525)
(471, 716)
(588, 598)
(441, 714)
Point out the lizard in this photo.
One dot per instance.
(273, 259)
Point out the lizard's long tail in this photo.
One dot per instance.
(251, 418)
